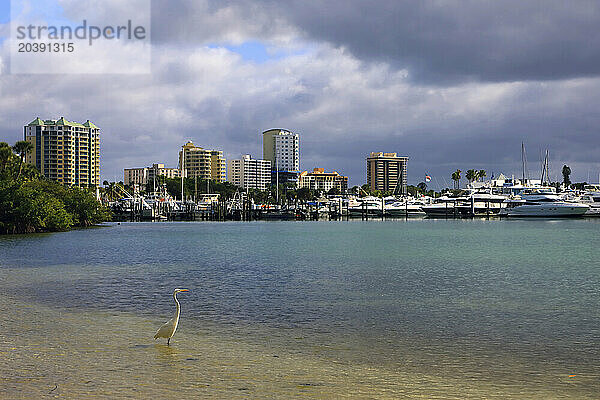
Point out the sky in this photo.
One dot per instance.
(450, 84)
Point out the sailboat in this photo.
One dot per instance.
(542, 201)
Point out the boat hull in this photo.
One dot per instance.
(551, 210)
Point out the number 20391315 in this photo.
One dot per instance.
(46, 48)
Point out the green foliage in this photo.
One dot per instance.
(566, 172)
(471, 175)
(456, 178)
(192, 186)
(365, 190)
(481, 174)
(29, 203)
(306, 194)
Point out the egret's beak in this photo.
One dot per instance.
(184, 290)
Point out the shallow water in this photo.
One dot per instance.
(417, 308)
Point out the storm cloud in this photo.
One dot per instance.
(449, 84)
(437, 41)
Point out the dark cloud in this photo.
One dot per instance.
(482, 78)
(439, 42)
(445, 41)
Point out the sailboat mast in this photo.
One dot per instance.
(547, 166)
(523, 162)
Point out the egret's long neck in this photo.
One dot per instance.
(178, 307)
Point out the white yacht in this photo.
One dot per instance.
(473, 202)
(444, 206)
(591, 197)
(366, 206)
(542, 203)
(403, 208)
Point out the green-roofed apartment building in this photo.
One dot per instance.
(64, 151)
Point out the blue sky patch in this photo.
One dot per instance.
(4, 12)
(251, 51)
(257, 52)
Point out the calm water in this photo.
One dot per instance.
(394, 309)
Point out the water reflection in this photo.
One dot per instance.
(167, 355)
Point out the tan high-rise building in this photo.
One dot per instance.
(202, 163)
(387, 172)
(64, 151)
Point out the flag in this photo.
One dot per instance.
(427, 178)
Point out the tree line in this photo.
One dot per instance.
(30, 203)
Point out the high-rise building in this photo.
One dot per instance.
(323, 181)
(202, 163)
(282, 148)
(387, 172)
(64, 151)
(141, 176)
(249, 173)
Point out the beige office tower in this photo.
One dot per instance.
(64, 151)
(195, 161)
(387, 172)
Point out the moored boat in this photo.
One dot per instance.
(542, 203)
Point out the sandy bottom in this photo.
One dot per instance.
(46, 352)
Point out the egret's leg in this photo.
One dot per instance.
(168, 341)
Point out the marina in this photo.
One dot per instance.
(506, 201)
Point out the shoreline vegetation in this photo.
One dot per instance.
(30, 203)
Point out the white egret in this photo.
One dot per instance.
(168, 330)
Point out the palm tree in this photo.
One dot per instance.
(22, 147)
(471, 175)
(456, 178)
(481, 174)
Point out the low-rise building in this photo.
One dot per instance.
(142, 176)
(323, 181)
(249, 173)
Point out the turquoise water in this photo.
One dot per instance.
(497, 308)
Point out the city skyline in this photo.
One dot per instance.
(450, 85)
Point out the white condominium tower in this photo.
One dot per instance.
(64, 151)
(281, 147)
(249, 173)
